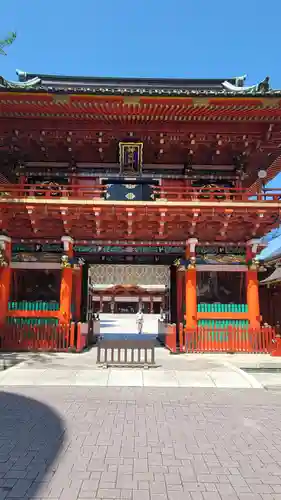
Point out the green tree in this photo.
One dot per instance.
(10, 38)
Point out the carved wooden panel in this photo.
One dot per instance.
(108, 274)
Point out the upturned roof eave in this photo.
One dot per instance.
(274, 277)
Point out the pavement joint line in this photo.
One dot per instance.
(212, 379)
(254, 383)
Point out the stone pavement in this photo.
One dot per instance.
(67, 369)
(75, 443)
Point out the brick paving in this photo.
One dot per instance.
(140, 444)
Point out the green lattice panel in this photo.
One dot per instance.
(37, 305)
(222, 308)
(33, 321)
(218, 329)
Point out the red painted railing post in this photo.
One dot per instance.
(276, 343)
(171, 338)
(5, 277)
(72, 335)
(181, 338)
(79, 343)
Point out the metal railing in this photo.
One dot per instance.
(131, 351)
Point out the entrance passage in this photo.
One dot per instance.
(126, 324)
(124, 289)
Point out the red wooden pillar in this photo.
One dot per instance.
(180, 293)
(66, 281)
(190, 285)
(77, 292)
(180, 289)
(252, 285)
(253, 298)
(5, 276)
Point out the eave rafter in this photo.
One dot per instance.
(130, 220)
(95, 143)
(195, 219)
(32, 218)
(162, 222)
(97, 213)
(65, 220)
(210, 219)
(226, 220)
(136, 110)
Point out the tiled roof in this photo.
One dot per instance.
(195, 84)
(273, 278)
(272, 251)
(164, 87)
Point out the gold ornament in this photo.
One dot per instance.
(255, 264)
(3, 260)
(65, 262)
(192, 263)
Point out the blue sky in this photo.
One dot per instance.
(179, 38)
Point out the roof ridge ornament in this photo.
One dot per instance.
(21, 74)
(22, 85)
(239, 80)
(259, 87)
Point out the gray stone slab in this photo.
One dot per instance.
(92, 378)
(160, 378)
(127, 377)
(194, 379)
(229, 379)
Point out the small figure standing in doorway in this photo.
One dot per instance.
(139, 321)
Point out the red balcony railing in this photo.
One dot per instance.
(171, 193)
(182, 193)
(51, 190)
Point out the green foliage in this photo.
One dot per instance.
(10, 38)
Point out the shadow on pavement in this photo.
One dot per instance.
(31, 435)
(107, 323)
